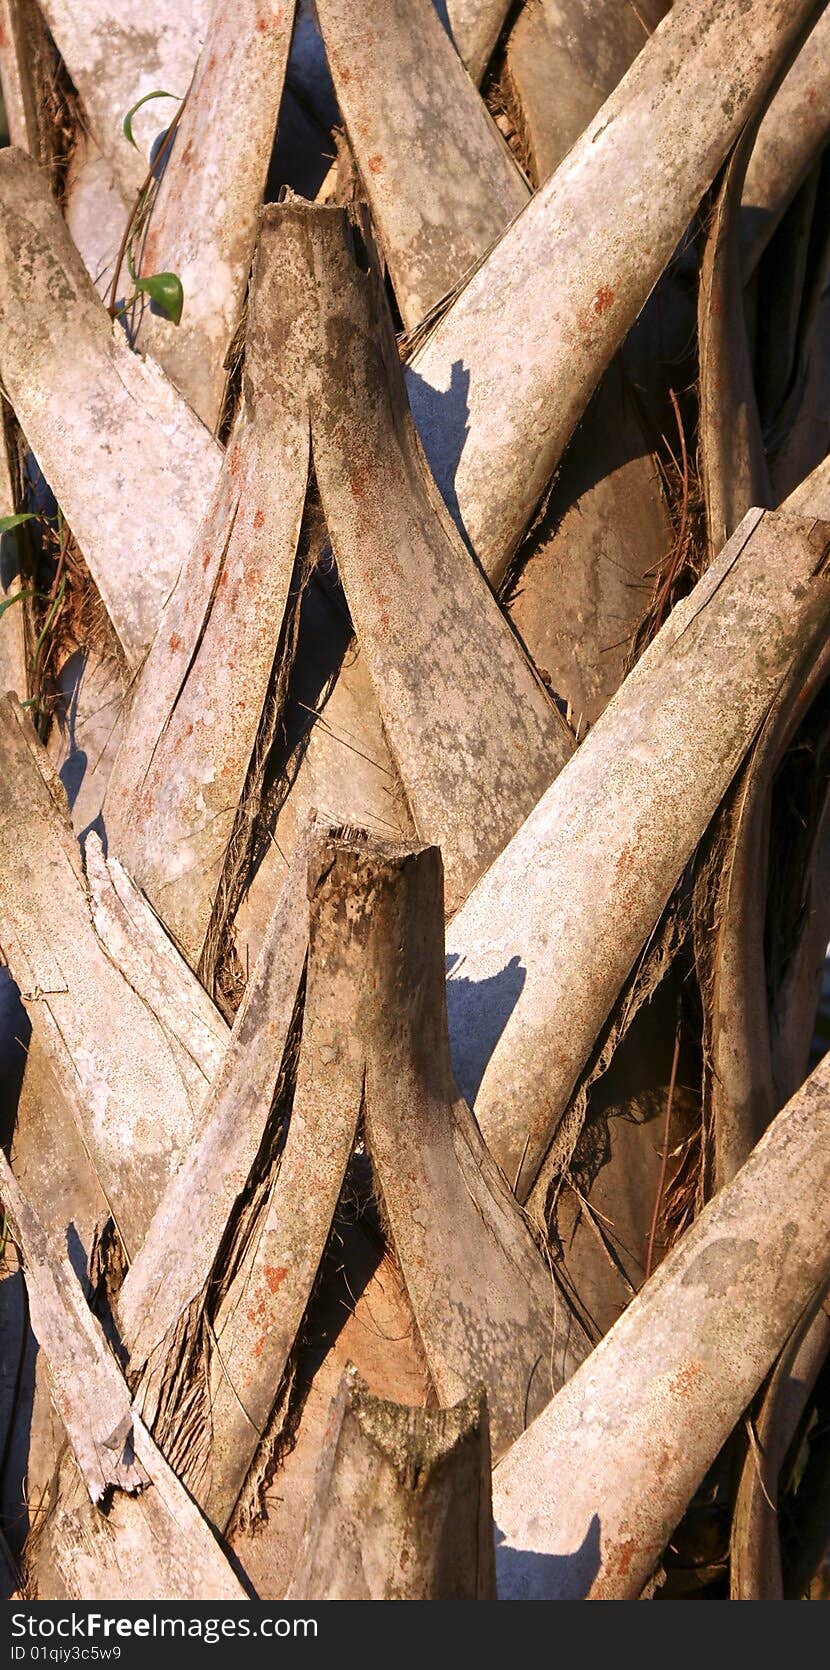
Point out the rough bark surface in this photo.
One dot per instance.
(731, 448)
(474, 734)
(153, 1542)
(133, 936)
(183, 765)
(13, 669)
(60, 353)
(440, 180)
(183, 1239)
(739, 1090)
(87, 1387)
(313, 1210)
(569, 278)
(563, 58)
(374, 1028)
(792, 135)
(582, 587)
(474, 26)
(755, 1548)
(594, 849)
(108, 1051)
(401, 1509)
(574, 1502)
(204, 221)
(113, 64)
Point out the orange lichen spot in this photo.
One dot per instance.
(603, 299)
(175, 641)
(274, 1275)
(681, 1383)
(259, 519)
(623, 1555)
(376, 163)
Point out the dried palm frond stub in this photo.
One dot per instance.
(568, 279)
(221, 1316)
(142, 1537)
(204, 219)
(586, 870)
(575, 1515)
(401, 1509)
(114, 65)
(474, 735)
(791, 138)
(441, 182)
(133, 1103)
(134, 468)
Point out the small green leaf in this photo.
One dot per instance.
(17, 598)
(128, 119)
(8, 522)
(166, 294)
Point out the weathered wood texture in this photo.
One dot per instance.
(474, 26)
(113, 1062)
(23, 52)
(594, 864)
(792, 136)
(92, 693)
(134, 468)
(87, 1387)
(562, 59)
(569, 278)
(575, 1506)
(13, 670)
(733, 463)
(172, 1268)
(580, 570)
(204, 220)
(143, 1538)
(113, 64)
(588, 573)
(739, 1089)
(374, 1029)
(401, 1509)
(134, 938)
(473, 733)
(39, 114)
(755, 1545)
(175, 790)
(486, 1305)
(440, 180)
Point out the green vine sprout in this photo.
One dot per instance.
(163, 290)
(158, 93)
